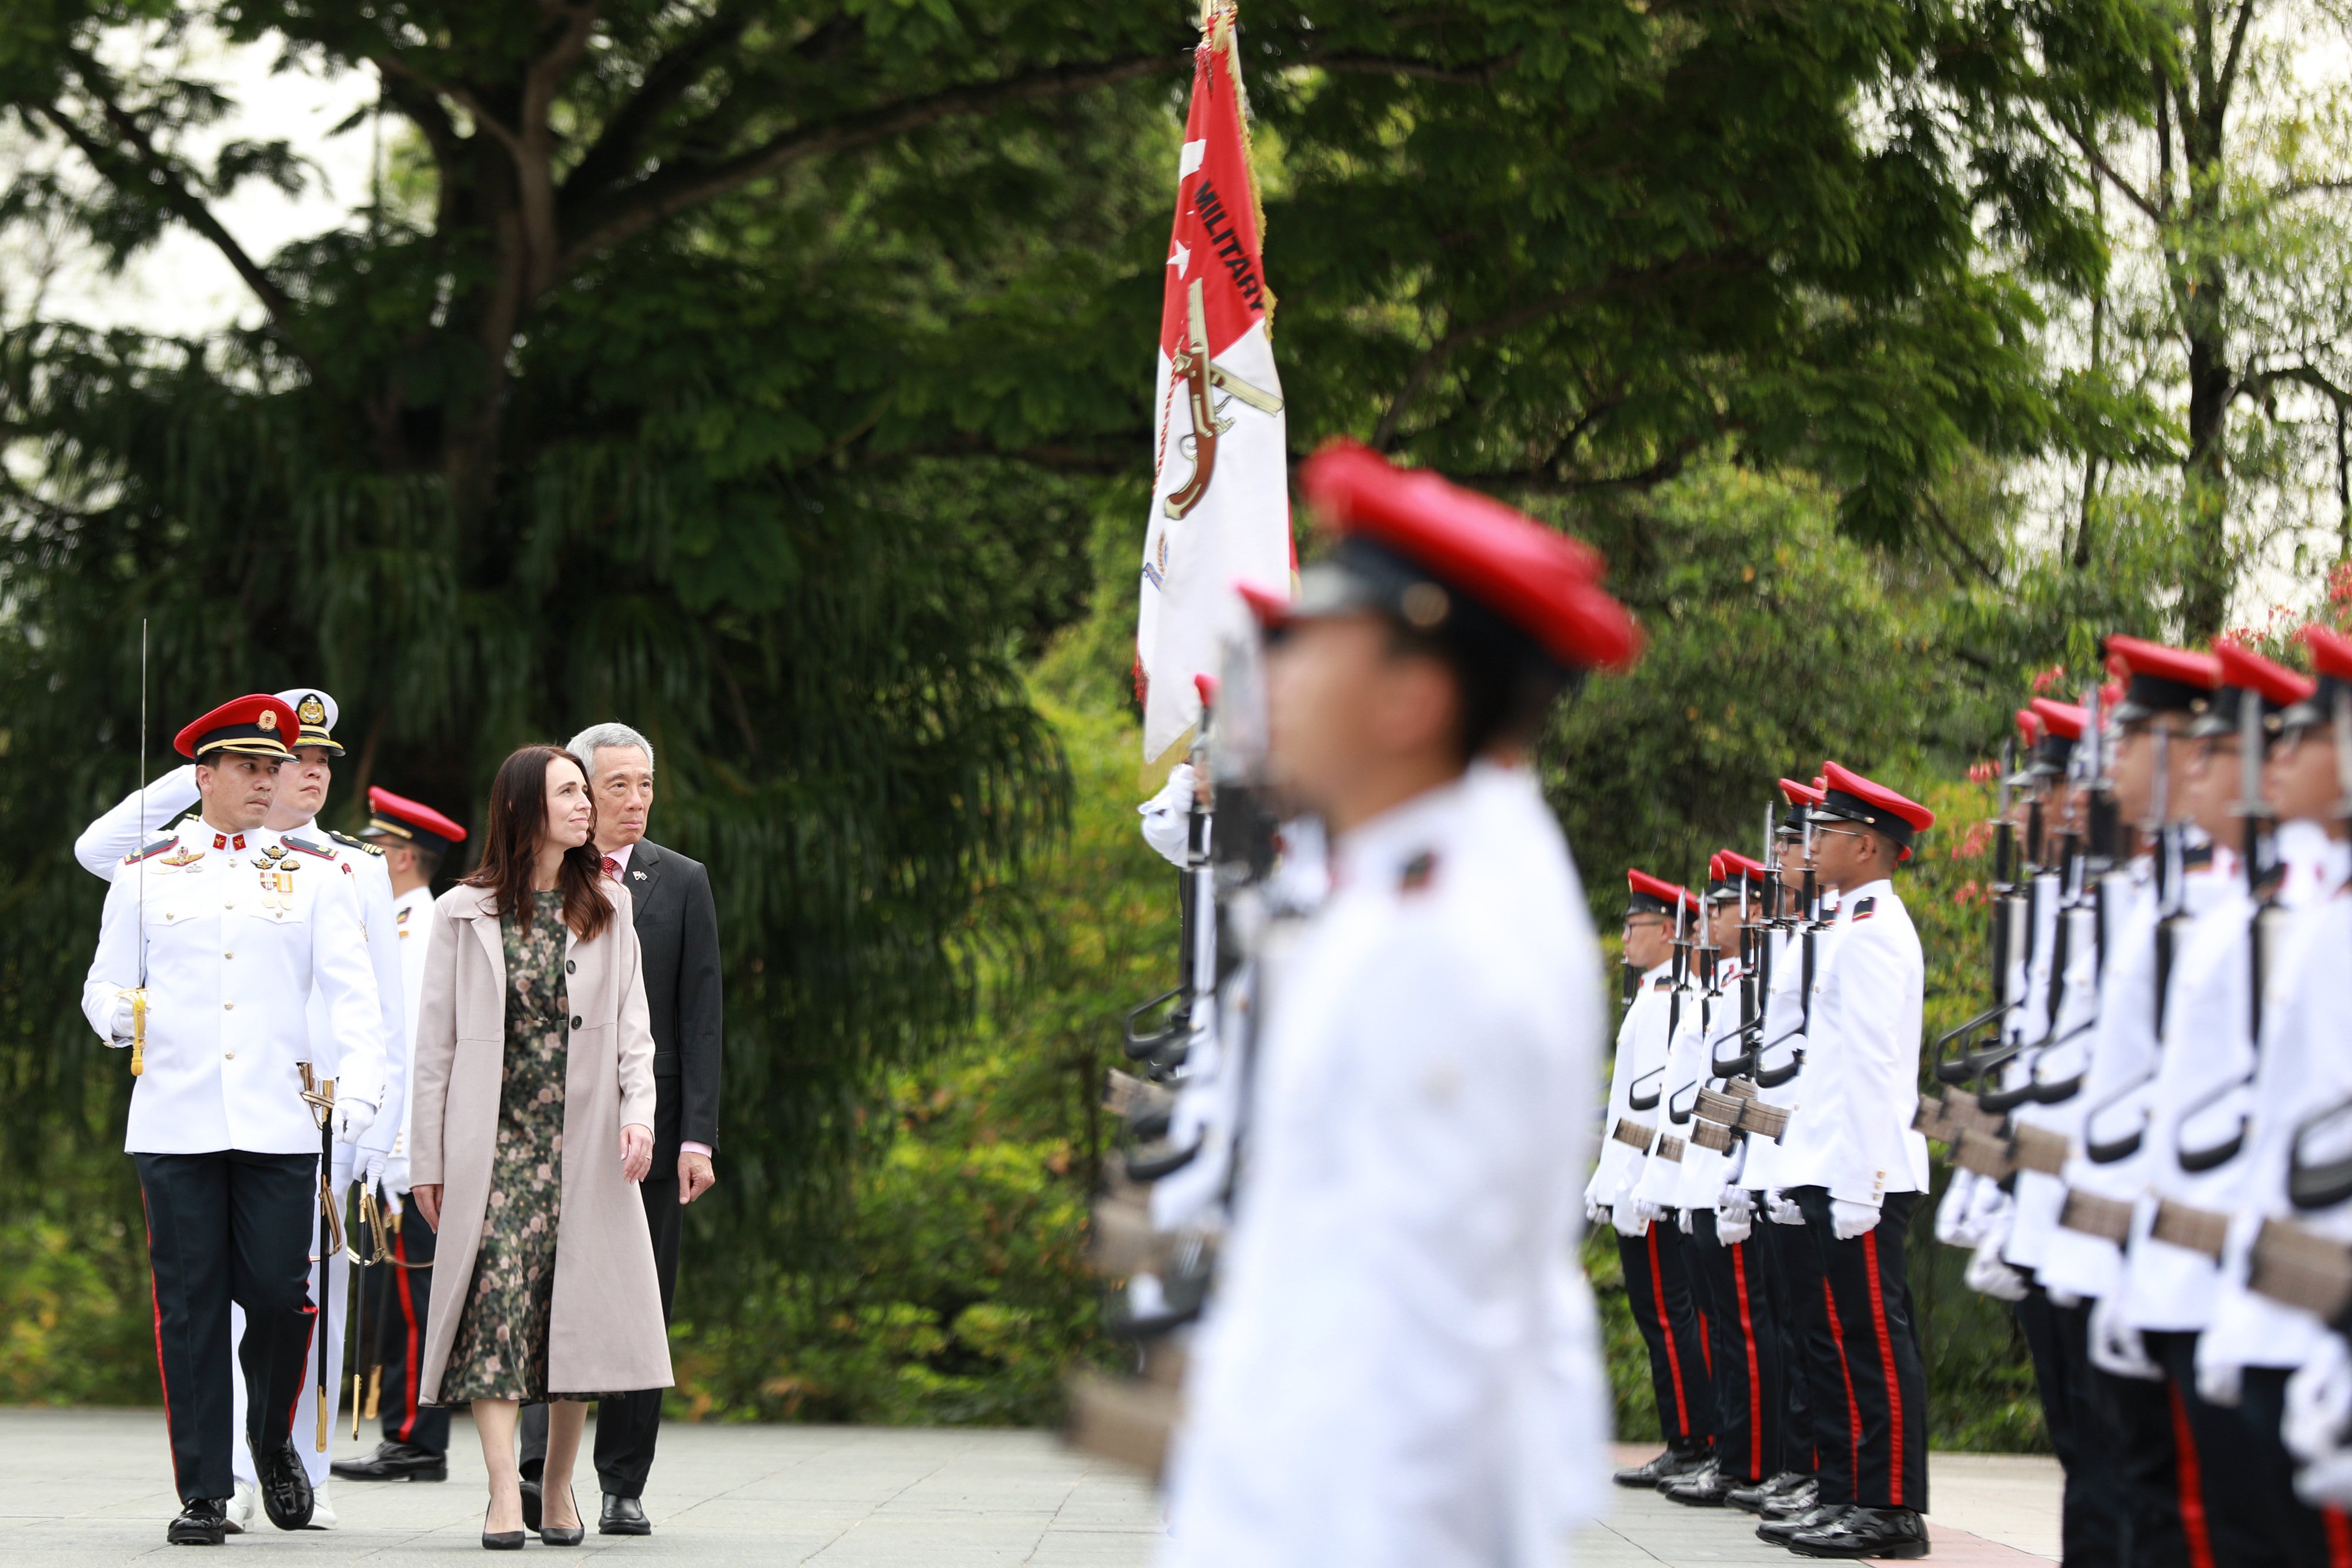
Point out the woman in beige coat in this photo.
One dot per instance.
(533, 1116)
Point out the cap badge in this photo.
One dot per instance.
(1424, 605)
(313, 712)
(268, 720)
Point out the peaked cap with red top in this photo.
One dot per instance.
(2064, 720)
(1726, 869)
(2246, 675)
(1411, 538)
(406, 822)
(2157, 679)
(256, 725)
(2331, 661)
(2029, 728)
(2051, 728)
(1848, 796)
(1651, 896)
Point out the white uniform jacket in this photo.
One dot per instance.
(105, 844)
(2064, 1055)
(1783, 1041)
(2305, 1069)
(1398, 1367)
(1696, 1180)
(1642, 1050)
(234, 946)
(1850, 1128)
(412, 930)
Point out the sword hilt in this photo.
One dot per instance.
(137, 1031)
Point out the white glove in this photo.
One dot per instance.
(1168, 816)
(353, 1119)
(1850, 1219)
(1596, 1213)
(396, 1176)
(123, 1023)
(2116, 1345)
(1684, 1222)
(1986, 1275)
(1731, 1230)
(2326, 1482)
(1736, 1203)
(367, 1166)
(1952, 1214)
(1781, 1209)
(2319, 1402)
(1634, 1217)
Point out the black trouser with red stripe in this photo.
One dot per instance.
(2242, 1500)
(2316, 1537)
(1658, 1288)
(2094, 1523)
(1793, 1273)
(399, 1339)
(2149, 1422)
(222, 1228)
(1865, 1338)
(1749, 1401)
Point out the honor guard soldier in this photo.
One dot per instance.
(1855, 1169)
(1727, 1274)
(415, 838)
(302, 786)
(1399, 1364)
(215, 937)
(1659, 918)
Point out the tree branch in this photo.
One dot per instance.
(1480, 75)
(2106, 171)
(614, 151)
(159, 180)
(683, 185)
(2236, 47)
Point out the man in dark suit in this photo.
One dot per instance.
(677, 930)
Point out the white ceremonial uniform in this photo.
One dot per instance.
(1400, 1365)
(235, 948)
(1675, 1183)
(1850, 1128)
(1783, 1039)
(412, 935)
(2305, 1067)
(1642, 1049)
(2065, 1054)
(1705, 1170)
(2117, 1090)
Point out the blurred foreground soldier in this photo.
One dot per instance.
(1855, 1170)
(226, 1147)
(1400, 1364)
(415, 839)
(1658, 1284)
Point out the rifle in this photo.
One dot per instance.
(2315, 1181)
(1164, 1044)
(1680, 972)
(2091, 856)
(1191, 362)
(2170, 894)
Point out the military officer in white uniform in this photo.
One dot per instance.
(1852, 1163)
(302, 786)
(1650, 1247)
(1399, 1365)
(415, 839)
(215, 939)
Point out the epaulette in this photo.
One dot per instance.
(361, 844)
(149, 852)
(1864, 908)
(308, 848)
(1417, 872)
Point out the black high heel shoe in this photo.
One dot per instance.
(500, 1539)
(556, 1536)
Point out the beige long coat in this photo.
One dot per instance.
(606, 1333)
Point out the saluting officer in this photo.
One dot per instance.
(1855, 1169)
(1657, 1277)
(415, 839)
(303, 781)
(1399, 1364)
(214, 938)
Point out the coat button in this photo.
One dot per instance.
(229, 1006)
(571, 966)
(230, 1054)
(228, 954)
(576, 1020)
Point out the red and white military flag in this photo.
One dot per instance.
(1221, 492)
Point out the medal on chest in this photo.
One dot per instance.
(277, 869)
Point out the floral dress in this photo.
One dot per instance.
(500, 1348)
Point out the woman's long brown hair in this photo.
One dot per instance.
(517, 821)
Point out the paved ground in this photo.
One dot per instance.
(94, 1487)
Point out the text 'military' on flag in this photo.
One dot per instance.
(1221, 495)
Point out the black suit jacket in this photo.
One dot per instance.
(677, 930)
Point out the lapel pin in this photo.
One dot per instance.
(638, 874)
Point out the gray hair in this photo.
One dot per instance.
(584, 744)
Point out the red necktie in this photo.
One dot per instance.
(611, 868)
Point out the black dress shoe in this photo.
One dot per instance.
(285, 1488)
(202, 1521)
(394, 1462)
(1865, 1532)
(1709, 1488)
(1797, 1499)
(1754, 1498)
(531, 1502)
(624, 1516)
(1779, 1531)
(1679, 1459)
